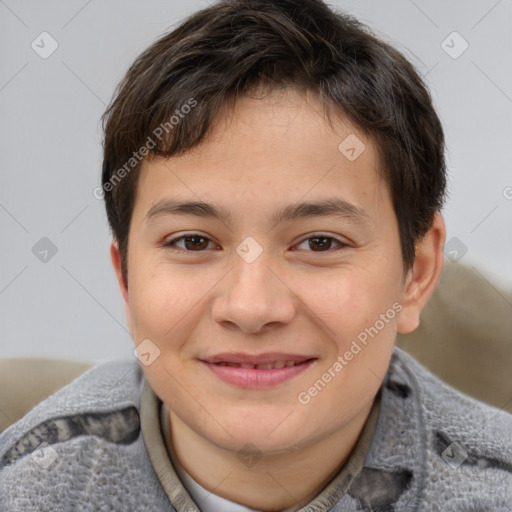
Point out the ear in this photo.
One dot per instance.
(115, 255)
(422, 279)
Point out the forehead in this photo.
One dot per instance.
(280, 123)
(267, 150)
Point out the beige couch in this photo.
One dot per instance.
(465, 338)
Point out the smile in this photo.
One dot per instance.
(263, 375)
(269, 366)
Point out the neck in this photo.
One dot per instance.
(276, 481)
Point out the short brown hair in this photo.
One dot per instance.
(232, 48)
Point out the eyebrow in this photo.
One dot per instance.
(333, 207)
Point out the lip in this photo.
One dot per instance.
(265, 358)
(252, 378)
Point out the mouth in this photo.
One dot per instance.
(269, 366)
(250, 371)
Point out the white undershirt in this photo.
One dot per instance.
(205, 500)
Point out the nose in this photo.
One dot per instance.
(253, 297)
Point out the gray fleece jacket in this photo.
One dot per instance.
(433, 449)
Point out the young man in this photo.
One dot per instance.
(273, 176)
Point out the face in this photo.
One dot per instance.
(256, 278)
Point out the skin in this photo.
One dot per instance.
(259, 157)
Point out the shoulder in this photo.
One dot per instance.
(465, 445)
(91, 423)
(445, 407)
(104, 394)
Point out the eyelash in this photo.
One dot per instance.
(170, 244)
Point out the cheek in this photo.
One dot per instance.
(348, 300)
(359, 314)
(157, 299)
(165, 301)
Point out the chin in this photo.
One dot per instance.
(253, 442)
(268, 432)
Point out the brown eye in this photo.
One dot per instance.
(321, 243)
(191, 243)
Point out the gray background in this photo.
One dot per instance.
(69, 306)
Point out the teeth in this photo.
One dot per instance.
(265, 366)
(269, 366)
